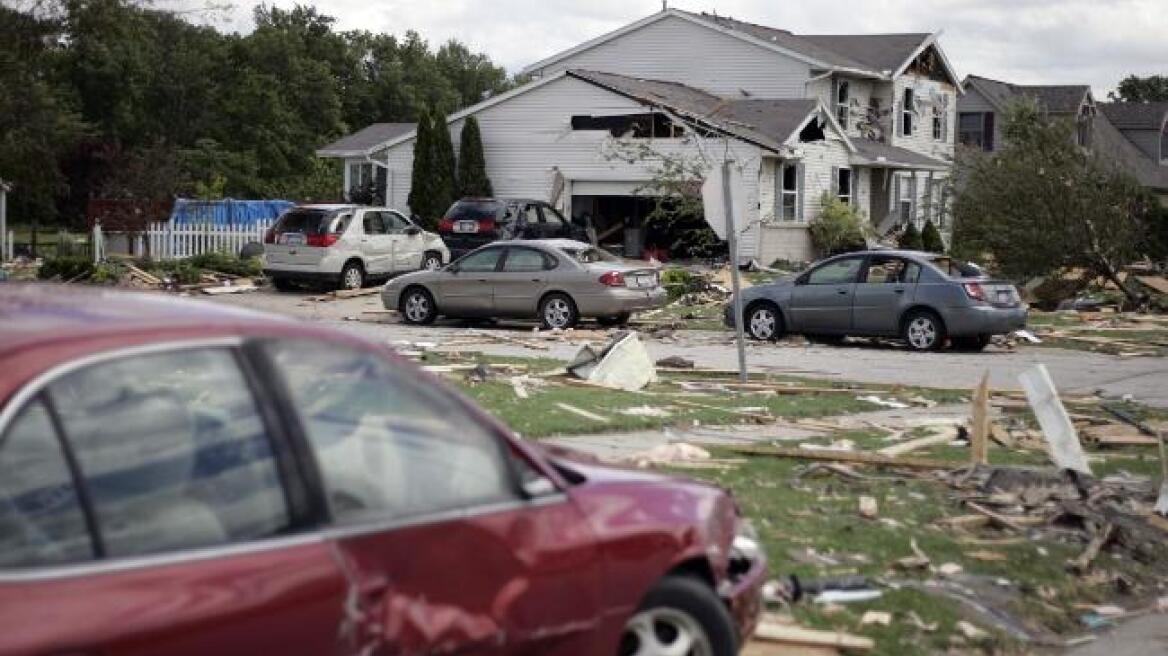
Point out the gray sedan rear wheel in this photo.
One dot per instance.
(923, 331)
(557, 311)
(417, 306)
(763, 322)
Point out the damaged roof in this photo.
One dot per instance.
(365, 140)
(1054, 98)
(767, 123)
(1136, 115)
(882, 155)
(874, 55)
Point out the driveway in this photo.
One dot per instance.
(1145, 379)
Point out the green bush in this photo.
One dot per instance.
(679, 282)
(838, 228)
(69, 267)
(226, 263)
(910, 239)
(931, 238)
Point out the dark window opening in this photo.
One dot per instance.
(636, 126)
(841, 101)
(844, 184)
(813, 131)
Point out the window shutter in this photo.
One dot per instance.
(779, 191)
(800, 200)
(912, 192)
(894, 205)
(835, 189)
(987, 137)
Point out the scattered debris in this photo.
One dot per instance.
(581, 412)
(847, 596)
(807, 640)
(979, 440)
(644, 411)
(675, 362)
(1065, 449)
(665, 454)
(868, 507)
(883, 402)
(623, 363)
(481, 373)
(970, 631)
(882, 618)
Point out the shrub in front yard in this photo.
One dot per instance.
(68, 267)
(838, 228)
(931, 238)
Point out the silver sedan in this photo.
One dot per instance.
(926, 299)
(557, 281)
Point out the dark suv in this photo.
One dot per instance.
(474, 222)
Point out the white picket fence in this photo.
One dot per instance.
(170, 242)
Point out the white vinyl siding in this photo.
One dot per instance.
(927, 94)
(677, 49)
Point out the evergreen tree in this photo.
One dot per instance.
(472, 164)
(421, 198)
(931, 238)
(910, 239)
(445, 184)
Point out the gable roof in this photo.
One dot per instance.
(872, 55)
(881, 155)
(1108, 142)
(1054, 98)
(364, 141)
(766, 123)
(1136, 115)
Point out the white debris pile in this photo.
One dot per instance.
(622, 364)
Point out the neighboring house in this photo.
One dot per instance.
(1133, 135)
(869, 118)
(357, 151)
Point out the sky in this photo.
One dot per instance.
(1096, 42)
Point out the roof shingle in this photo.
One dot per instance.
(366, 139)
(1054, 98)
(1136, 116)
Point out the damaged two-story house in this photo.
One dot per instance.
(1134, 136)
(869, 119)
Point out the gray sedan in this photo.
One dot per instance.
(557, 281)
(923, 298)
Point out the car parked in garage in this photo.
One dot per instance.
(347, 246)
(474, 222)
(182, 478)
(924, 298)
(557, 281)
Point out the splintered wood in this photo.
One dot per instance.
(979, 439)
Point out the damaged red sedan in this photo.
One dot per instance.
(182, 478)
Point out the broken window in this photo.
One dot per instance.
(813, 131)
(906, 114)
(788, 184)
(841, 102)
(844, 185)
(939, 123)
(635, 126)
(886, 269)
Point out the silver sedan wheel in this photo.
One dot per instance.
(763, 323)
(432, 263)
(922, 333)
(417, 307)
(557, 313)
(664, 632)
(353, 278)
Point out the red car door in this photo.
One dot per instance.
(446, 547)
(146, 508)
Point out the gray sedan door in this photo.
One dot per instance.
(884, 291)
(467, 288)
(521, 282)
(821, 302)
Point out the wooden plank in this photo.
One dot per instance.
(797, 635)
(351, 293)
(916, 444)
(762, 648)
(979, 436)
(862, 457)
(581, 412)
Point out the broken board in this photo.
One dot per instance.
(1065, 449)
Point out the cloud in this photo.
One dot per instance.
(1023, 41)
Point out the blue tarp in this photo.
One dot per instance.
(243, 213)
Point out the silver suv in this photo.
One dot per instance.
(347, 246)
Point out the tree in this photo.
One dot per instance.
(472, 164)
(1134, 88)
(910, 239)
(422, 189)
(1043, 204)
(931, 238)
(837, 229)
(445, 172)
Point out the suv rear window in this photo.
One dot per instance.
(473, 210)
(308, 222)
(956, 268)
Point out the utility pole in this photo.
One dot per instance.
(732, 244)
